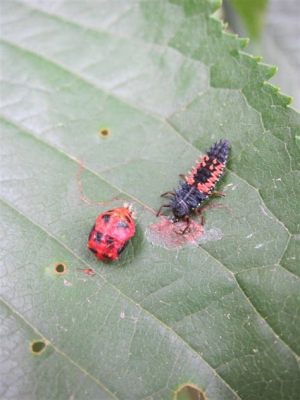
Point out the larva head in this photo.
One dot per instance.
(179, 208)
(185, 199)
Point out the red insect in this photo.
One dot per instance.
(111, 233)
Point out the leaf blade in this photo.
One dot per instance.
(74, 84)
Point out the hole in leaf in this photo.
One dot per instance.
(104, 132)
(189, 392)
(60, 268)
(38, 346)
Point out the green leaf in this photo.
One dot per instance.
(278, 42)
(252, 14)
(166, 82)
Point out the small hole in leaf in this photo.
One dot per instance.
(189, 392)
(104, 132)
(60, 268)
(38, 346)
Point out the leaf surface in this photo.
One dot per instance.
(167, 82)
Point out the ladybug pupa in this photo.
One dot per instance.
(111, 233)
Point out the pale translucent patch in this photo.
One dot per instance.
(167, 234)
(212, 234)
(170, 235)
(258, 246)
(122, 315)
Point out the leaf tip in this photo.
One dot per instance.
(215, 5)
(275, 90)
(258, 58)
(244, 42)
(270, 70)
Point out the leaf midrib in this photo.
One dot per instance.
(73, 159)
(55, 348)
(86, 28)
(95, 85)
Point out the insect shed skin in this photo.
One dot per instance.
(111, 233)
(199, 183)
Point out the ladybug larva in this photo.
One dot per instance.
(198, 184)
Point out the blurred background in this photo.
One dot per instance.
(274, 29)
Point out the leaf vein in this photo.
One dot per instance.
(166, 327)
(95, 85)
(153, 211)
(56, 349)
(150, 209)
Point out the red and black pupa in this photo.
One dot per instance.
(111, 233)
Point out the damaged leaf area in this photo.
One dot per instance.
(135, 91)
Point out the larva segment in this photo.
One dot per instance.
(190, 178)
(206, 174)
(208, 186)
(209, 168)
